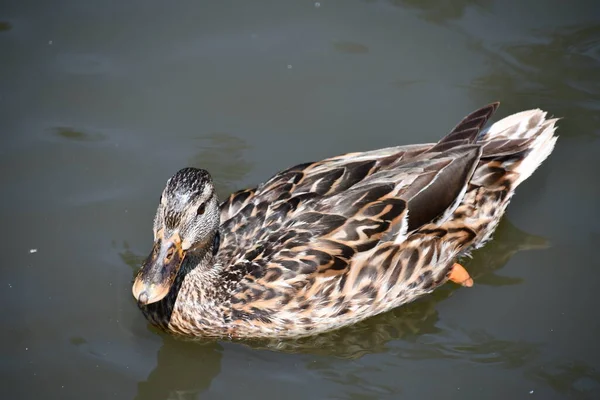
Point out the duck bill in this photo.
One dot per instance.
(159, 270)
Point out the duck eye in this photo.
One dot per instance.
(201, 209)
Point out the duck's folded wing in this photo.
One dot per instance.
(327, 177)
(431, 187)
(321, 240)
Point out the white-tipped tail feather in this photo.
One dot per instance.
(525, 125)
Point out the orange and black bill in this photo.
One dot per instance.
(159, 270)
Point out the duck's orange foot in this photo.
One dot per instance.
(458, 274)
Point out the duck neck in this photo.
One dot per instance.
(201, 262)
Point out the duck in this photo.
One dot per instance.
(326, 244)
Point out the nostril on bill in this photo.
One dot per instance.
(169, 254)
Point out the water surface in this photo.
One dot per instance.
(102, 101)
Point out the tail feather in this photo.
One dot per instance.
(522, 141)
(468, 130)
(520, 125)
(513, 148)
(540, 149)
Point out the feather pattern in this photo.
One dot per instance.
(325, 244)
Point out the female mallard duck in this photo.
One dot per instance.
(326, 244)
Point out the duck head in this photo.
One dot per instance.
(185, 224)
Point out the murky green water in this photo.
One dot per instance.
(102, 101)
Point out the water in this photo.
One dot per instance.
(102, 101)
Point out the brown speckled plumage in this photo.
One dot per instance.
(326, 244)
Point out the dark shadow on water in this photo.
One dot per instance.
(507, 241)
(182, 370)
